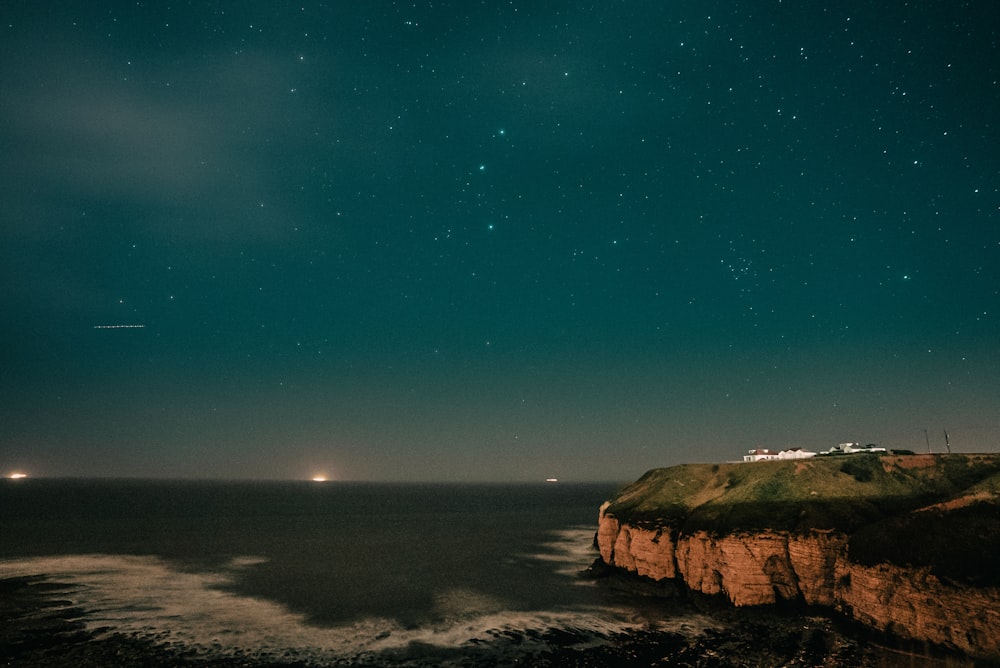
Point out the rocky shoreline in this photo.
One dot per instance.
(40, 626)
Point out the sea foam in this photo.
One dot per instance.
(150, 598)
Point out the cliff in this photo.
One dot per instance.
(905, 544)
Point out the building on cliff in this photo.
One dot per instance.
(763, 454)
(854, 449)
(760, 455)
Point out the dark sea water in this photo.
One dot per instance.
(332, 573)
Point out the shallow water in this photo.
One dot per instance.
(306, 570)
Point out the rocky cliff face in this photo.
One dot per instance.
(760, 568)
(646, 552)
(757, 568)
(765, 566)
(914, 604)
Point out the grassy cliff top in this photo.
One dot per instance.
(843, 493)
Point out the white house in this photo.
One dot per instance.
(853, 449)
(795, 453)
(765, 455)
(760, 455)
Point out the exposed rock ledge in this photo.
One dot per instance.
(687, 540)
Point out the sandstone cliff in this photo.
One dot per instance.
(766, 532)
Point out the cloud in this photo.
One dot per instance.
(112, 144)
(183, 141)
(104, 155)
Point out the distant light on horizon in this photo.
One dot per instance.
(17, 476)
(320, 478)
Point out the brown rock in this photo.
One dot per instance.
(646, 552)
(914, 604)
(750, 569)
(814, 557)
(764, 567)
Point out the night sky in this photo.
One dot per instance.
(467, 241)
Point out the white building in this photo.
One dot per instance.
(760, 455)
(765, 455)
(795, 453)
(853, 449)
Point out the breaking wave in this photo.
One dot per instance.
(198, 611)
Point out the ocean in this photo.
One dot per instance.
(342, 573)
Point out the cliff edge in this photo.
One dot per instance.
(905, 544)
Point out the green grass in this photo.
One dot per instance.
(842, 493)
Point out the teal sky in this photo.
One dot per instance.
(493, 240)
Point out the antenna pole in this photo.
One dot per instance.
(928, 439)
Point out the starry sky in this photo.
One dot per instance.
(488, 241)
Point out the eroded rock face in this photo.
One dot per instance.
(760, 568)
(646, 552)
(914, 604)
(749, 569)
(814, 557)
(755, 568)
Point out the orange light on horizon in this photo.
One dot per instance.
(17, 476)
(319, 478)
